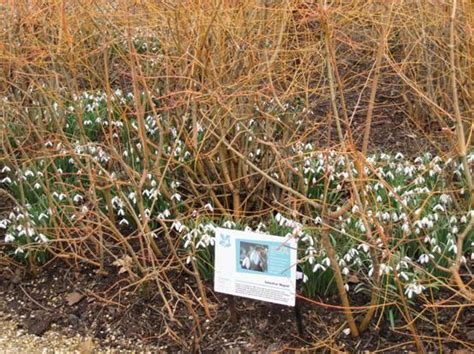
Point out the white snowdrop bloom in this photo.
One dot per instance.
(438, 207)
(404, 276)
(59, 196)
(379, 199)
(371, 271)
(4, 223)
(77, 198)
(452, 247)
(123, 222)
(445, 198)
(419, 180)
(453, 220)
(346, 286)
(399, 156)
(326, 261)
(229, 224)
(84, 209)
(364, 246)
(43, 216)
(279, 218)
(176, 196)
(437, 249)
(6, 180)
(318, 220)
(178, 226)
(209, 207)
(29, 173)
(355, 209)
(413, 288)
(385, 269)
(6, 169)
(43, 238)
(424, 258)
(463, 219)
(345, 271)
(454, 229)
(133, 197)
(9, 238)
(48, 144)
(318, 267)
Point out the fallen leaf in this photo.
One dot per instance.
(353, 279)
(74, 298)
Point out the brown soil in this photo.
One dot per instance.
(74, 302)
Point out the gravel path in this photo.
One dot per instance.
(16, 340)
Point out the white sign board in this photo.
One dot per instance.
(255, 266)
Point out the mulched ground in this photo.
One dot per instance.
(75, 301)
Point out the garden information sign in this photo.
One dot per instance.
(255, 266)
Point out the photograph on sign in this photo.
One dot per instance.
(256, 266)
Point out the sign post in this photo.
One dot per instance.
(255, 266)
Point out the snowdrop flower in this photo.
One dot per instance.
(43, 238)
(4, 223)
(6, 169)
(43, 216)
(385, 269)
(318, 267)
(404, 276)
(123, 222)
(59, 196)
(29, 173)
(438, 207)
(406, 228)
(9, 238)
(209, 207)
(413, 288)
(371, 271)
(6, 180)
(445, 198)
(229, 224)
(424, 258)
(318, 220)
(176, 197)
(77, 198)
(133, 197)
(178, 226)
(364, 246)
(399, 156)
